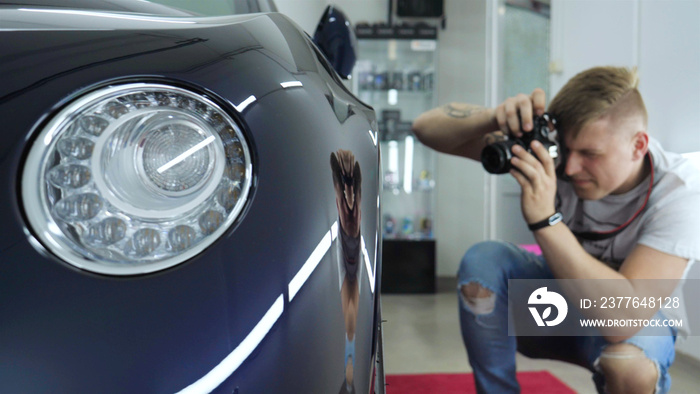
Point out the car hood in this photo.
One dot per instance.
(102, 15)
(113, 6)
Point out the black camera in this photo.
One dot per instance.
(496, 157)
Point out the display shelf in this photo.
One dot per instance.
(397, 78)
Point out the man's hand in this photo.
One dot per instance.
(461, 129)
(538, 180)
(516, 113)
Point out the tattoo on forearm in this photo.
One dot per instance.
(458, 113)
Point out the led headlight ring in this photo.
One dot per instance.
(135, 178)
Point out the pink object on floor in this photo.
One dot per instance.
(532, 248)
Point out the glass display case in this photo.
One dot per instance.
(396, 76)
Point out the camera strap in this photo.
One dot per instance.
(601, 235)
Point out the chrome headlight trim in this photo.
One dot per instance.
(206, 212)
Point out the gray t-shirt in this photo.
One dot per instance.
(669, 223)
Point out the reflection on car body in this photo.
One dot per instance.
(169, 224)
(347, 180)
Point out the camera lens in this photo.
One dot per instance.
(496, 157)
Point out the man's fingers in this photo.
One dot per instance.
(523, 155)
(515, 114)
(543, 157)
(525, 110)
(521, 179)
(527, 168)
(512, 118)
(496, 136)
(538, 101)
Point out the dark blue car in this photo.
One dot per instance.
(190, 202)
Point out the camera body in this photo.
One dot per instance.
(496, 157)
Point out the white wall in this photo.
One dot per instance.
(661, 38)
(304, 12)
(462, 76)
(591, 33)
(669, 62)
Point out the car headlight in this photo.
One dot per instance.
(135, 178)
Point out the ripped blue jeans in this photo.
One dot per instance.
(484, 324)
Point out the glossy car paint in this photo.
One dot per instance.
(66, 330)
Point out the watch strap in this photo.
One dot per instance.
(550, 221)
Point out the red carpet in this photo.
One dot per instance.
(461, 383)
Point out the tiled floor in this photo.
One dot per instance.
(421, 335)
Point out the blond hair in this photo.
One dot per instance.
(595, 93)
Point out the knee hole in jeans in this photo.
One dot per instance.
(627, 369)
(478, 299)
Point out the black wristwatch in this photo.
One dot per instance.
(550, 221)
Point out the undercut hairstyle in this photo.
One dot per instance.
(594, 93)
